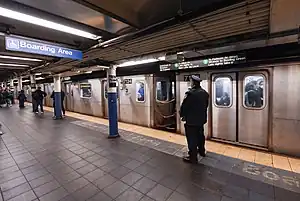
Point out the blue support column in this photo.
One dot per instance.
(57, 97)
(112, 103)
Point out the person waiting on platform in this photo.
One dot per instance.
(22, 98)
(194, 112)
(7, 97)
(62, 101)
(39, 96)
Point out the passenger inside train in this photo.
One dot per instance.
(254, 93)
(141, 92)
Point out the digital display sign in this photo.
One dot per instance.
(210, 62)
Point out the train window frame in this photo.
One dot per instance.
(136, 91)
(231, 91)
(264, 92)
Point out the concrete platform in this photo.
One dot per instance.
(72, 159)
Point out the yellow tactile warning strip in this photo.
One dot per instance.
(251, 155)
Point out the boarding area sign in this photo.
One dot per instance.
(40, 47)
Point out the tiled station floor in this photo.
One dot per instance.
(72, 159)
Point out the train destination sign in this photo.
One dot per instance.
(43, 48)
(217, 61)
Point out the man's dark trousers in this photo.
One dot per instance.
(41, 104)
(195, 139)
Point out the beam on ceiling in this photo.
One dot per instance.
(13, 68)
(106, 12)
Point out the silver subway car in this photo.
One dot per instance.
(255, 106)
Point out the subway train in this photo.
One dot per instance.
(254, 105)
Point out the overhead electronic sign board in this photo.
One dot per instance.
(210, 62)
(38, 47)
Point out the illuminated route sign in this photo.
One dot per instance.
(211, 62)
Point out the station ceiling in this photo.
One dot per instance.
(140, 27)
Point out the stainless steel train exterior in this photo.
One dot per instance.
(271, 121)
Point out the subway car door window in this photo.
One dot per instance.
(105, 90)
(140, 91)
(223, 92)
(254, 91)
(165, 90)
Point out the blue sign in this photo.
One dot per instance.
(42, 48)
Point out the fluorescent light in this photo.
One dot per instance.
(106, 67)
(39, 78)
(137, 62)
(26, 81)
(45, 23)
(19, 58)
(17, 65)
(38, 74)
(88, 72)
(132, 63)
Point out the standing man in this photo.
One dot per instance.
(39, 96)
(62, 101)
(194, 112)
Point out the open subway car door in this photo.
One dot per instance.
(165, 102)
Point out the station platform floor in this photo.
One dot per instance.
(72, 159)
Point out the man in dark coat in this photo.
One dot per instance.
(194, 112)
(22, 98)
(39, 96)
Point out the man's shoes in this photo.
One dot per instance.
(188, 159)
(202, 153)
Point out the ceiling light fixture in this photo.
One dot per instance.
(39, 78)
(45, 23)
(19, 58)
(144, 61)
(16, 65)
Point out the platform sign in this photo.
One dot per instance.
(210, 62)
(39, 47)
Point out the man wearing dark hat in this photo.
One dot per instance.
(194, 112)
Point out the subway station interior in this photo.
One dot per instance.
(113, 77)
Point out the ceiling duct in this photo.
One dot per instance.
(175, 57)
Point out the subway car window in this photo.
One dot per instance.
(105, 90)
(85, 90)
(165, 90)
(223, 91)
(140, 91)
(254, 91)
